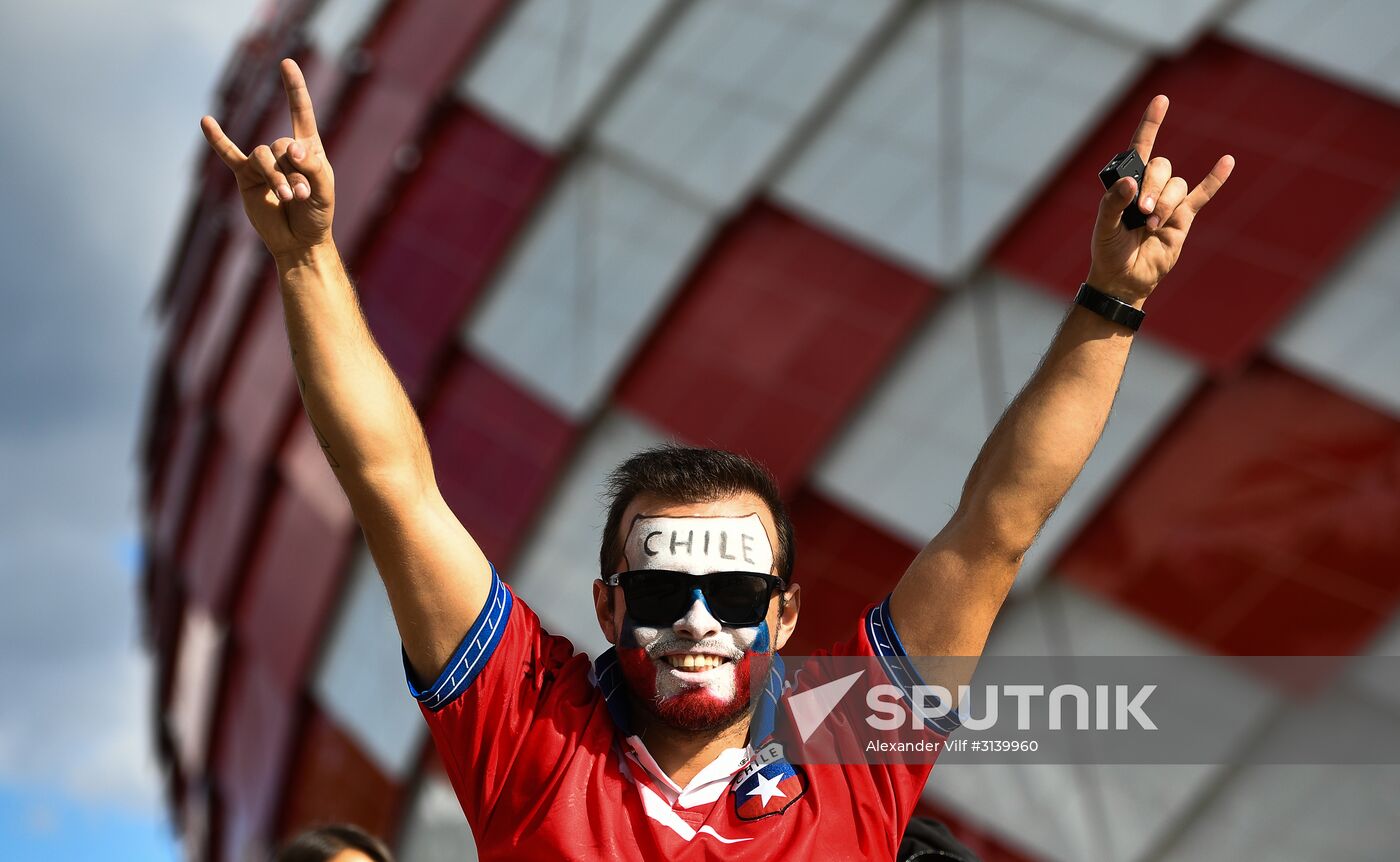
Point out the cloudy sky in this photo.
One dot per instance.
(99, 111)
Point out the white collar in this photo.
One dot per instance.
(705, 787)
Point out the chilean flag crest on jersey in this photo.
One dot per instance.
(767, 785)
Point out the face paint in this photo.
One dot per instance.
(695, 673)
(698, 544)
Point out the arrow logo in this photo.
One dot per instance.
(811, 707)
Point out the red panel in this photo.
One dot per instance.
(1294, 137)
(496, 451)
(203, 356)
(335, 782)
(780, 331)
(457, 214)
(219, 526)
(423, 46)
(293, 578)
(843, 564)
(375, 122)
(178, 481)
(199, 244)
(416, 51)
(1263, 521)
(261, 386)
(253, 751)
(987, 847)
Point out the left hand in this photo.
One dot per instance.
(1127, 263)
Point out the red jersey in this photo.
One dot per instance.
(537, 746)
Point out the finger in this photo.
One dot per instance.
(1146, 134)
(279, 149)
(227, 150)
(276, 180)
(1159, 170)
(311, 164)
(1206, 188)
(298, 100)
(1167, 202)
(301, 186)
(1111, 207)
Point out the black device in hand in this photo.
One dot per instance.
(1126, 164)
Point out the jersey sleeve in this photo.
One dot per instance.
(484, 709)
(897, 786)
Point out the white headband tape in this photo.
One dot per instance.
(698, 544)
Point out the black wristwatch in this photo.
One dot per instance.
(1108, 307)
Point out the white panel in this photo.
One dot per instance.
(546, 67)
(731, 82)
(899, 167)
(591, 274)
(1357, 40)
(436, 830)
(1378, 672)
(335, 25)
(1344, 333)
(360, 680)
(194, 688)
(1292, 813)
(1095, 813)
(555, 572)
(1164, 25)
(902, 461)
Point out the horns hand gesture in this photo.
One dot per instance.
(1127, 263)
(287, 187)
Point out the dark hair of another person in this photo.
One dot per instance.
(324, 842)
(683, 474)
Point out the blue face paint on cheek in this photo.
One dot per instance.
(760, 640)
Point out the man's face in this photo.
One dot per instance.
(694, 672)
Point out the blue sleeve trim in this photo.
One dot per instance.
(879, 627)
(471, 655)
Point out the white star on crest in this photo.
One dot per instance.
(767, 788)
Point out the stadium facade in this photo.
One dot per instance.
(836, 236)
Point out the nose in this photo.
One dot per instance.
(698, 623)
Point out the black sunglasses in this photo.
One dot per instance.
(658, 597)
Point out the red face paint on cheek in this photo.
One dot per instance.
(639, 671)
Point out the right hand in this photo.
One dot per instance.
(287, 187)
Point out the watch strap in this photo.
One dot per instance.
(1108, 307)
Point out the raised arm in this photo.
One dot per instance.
(436, 576)
(945, 603)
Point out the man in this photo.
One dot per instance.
(655, 751)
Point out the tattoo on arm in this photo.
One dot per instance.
(315, 429)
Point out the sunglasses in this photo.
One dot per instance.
(657, 597)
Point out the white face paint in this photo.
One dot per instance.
(698, 545)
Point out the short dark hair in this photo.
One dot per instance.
(324, 842)
(686, 474)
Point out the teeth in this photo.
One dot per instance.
(695, 662)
